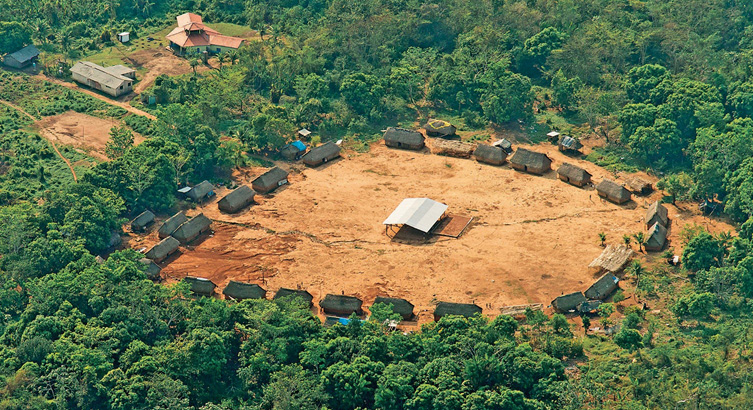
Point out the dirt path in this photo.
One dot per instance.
(19, 109)
(110, 101)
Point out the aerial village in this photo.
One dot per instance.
(416, 221)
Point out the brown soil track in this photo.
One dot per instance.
(531, 240)
(19, 109)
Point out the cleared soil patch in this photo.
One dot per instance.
(531, 238)
(80, 131)
(159, 61)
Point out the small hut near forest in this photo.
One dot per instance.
(603, 287)
(152, 270)
(285, 293)
(400, 306)
(574, 175)
(236, 200)
(639, 186)
(200, 286)
(163, 249)
(201, 192)
(504, 144)
(402, 138)
(341, 305)
(321, 154)
(293, 151)
(657, 213)
(192, 228)
(141, 222)
(569, 144)
(458, 309)
(589, 306)
(490, 154)
(439, 128)
(270, 180)
(569, 302)
(531, 161)
(613, 191)
(452, 148)
(612, 259)
(241, 290)
(657, 237)
(171, 224)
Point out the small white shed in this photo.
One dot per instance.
(124, 37)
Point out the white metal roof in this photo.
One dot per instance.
(418, 213)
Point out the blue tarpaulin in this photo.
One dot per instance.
(298, 144)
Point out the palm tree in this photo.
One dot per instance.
(603, 238)
(221, 59)
(640, 239)
(627, 239)
(193, 62)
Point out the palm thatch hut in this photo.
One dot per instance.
(201, 192)
(612, 259)
(200, 286)
(439, 128)
(400, 306)
(574, 175)
(192, 228)
(569, 302)
(504, 144)
(458, 309)
(151, 269)
(270, 180)
(241, 290)
(657, 213)
(569, 144)
(531, 161)
(639, 186)
(321, 154)
(402, 138)
(163, 249)
(293, 151)
(285, 293)
(490, 154)
(604, 286)
(141, 222)
(589, 306)
(452, 148)
(171, 224)
(613, 191)
(341, 305)
(657, 237)
(236, 200)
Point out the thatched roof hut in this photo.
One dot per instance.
(236, 200)
(115, 240)
(589, 306)
(531, 161)
(612, 259)
(452, 148)
(602, 287)
(613, 191)
(657, 237)
(200, 286)
(293, 151)
(402, 138)
(458, 309)
(439, 128)
(400, 306)
(163, 249)
(171, 224)
(285, 293)
(141, 222)
(569, 302)
(321, 154)
(639, 186)
(192, 228)
(504, 144)
(490, 154)
(341, 305)
(569, 144)
(241, 290)
(270, 180)
(201, 192)
(151, 269)
(574, 175)
(657, 213)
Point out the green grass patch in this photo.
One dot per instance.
(613, 158)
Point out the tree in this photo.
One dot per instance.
(602, 238)
(702, 252)
(193, 62)
(640, 239)
(506, 96)
(678, 186)
(627, 239)
(586, 323)
(605, 311)
(629, 339)
(642, 80)
(565, 91)
(121, 140)
(15, 36)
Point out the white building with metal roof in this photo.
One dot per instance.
(418, 213)
(116, 80)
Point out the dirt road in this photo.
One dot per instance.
(98, 96)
